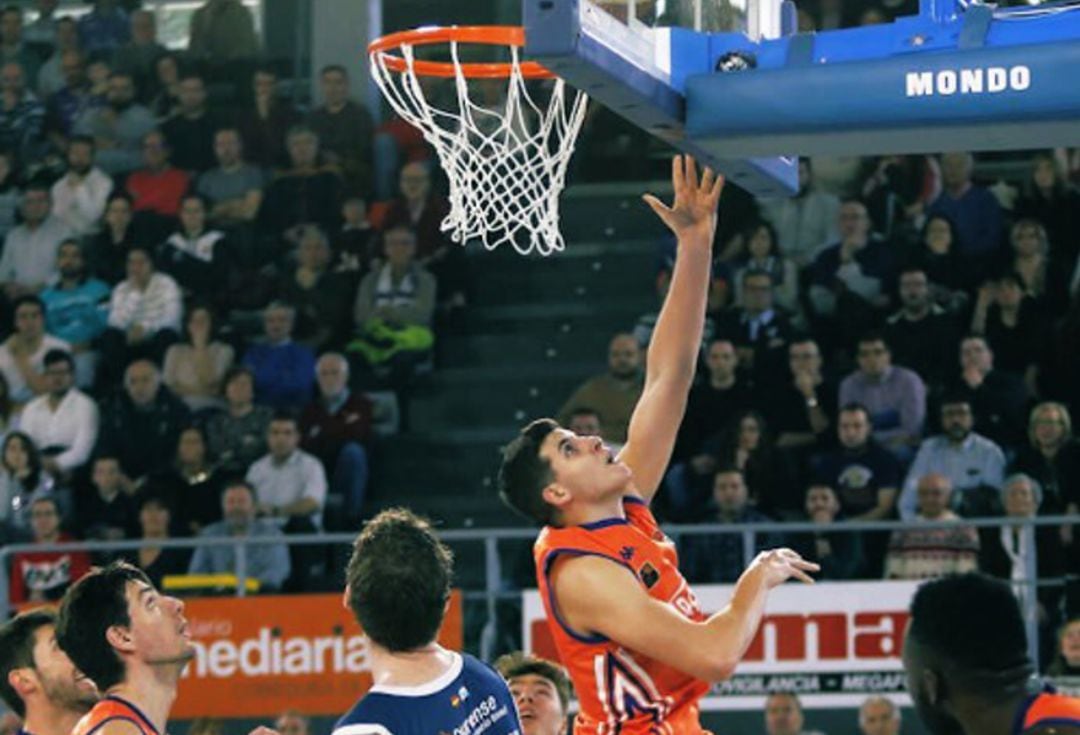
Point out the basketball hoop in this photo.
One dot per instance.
(506, 166)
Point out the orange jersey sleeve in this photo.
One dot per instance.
(620, 690)
(1049, 709)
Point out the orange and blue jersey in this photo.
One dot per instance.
(109, 709)
(1047, 709)
(623, 692)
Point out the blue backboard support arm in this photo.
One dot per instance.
(982, 81)
(961, 75)
(620, 72)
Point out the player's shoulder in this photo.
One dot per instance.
(113, 716)
(475, 670)
(1050, 712)
(108, 722)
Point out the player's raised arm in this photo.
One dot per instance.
(673, 351)
(598, 596)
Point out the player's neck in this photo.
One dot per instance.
(991, 717)
(409, 669)
(153, 693)
(47, 719)
(580, 515)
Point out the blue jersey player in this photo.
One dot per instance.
(398, 588)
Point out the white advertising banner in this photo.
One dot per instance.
(832, 643)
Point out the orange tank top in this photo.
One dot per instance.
(1048, 709)
(621, 691)
(111, 708)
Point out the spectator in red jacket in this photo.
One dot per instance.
(40, 576)
(157, 188)
(336, 427)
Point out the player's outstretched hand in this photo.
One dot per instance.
(777, 566)
(694, 212)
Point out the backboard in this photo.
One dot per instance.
(634, 56)
(733, 82)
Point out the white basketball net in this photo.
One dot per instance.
(506, 167)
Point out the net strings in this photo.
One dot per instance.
(506, 167)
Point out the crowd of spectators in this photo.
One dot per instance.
(198, 292)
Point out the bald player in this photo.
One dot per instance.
(968, 670)
(37, 680)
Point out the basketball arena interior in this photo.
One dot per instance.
(260, 284)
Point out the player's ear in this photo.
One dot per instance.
(933, 685)
(22, 681)
(119, 637)
(345, 596)
(555, 494)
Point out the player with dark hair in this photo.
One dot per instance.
(37, 680)
(132, 641)
(398, 586)
(627, 626)
(968, 671)
(541, 690)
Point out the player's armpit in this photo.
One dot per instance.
(597, 595)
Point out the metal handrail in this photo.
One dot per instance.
(491, 537)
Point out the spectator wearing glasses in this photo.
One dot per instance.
(974, 465)
(44, 576)
(759, 329)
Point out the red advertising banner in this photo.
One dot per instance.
(259, 656)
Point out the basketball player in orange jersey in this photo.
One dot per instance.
(132, 641)
(968, 671)
(627, 626)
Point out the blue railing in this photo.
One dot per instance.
(493, 589)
